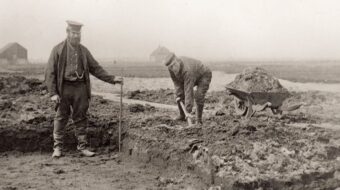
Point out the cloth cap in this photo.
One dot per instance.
(74, 26)
(168, 59)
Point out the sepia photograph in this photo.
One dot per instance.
(170, 94)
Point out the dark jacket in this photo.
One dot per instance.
(190, 73)
(54, 73)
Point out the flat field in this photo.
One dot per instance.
(296, 72)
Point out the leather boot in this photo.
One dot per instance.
(181, 116)
(57, 153)
(87, 153)
(82, 144)
(199, 113)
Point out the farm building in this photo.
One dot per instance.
(13, 53)
(158, 53)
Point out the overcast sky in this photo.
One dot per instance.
(205, 29)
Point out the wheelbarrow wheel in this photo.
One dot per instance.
(240, 107)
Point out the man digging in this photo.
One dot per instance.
(186, 73)
(68, 82)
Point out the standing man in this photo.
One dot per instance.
(186, 73)
(68, 82)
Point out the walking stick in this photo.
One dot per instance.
(120, 117)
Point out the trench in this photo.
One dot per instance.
(194, 157)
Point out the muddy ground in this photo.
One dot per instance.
(265, 152)
(26, 125)
(40, 171)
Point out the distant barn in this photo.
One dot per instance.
(13, 53)
(158, 54)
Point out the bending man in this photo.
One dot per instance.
(186, 73)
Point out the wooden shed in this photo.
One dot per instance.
(13, 53)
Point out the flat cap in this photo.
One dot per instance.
(168, 59)
(74, 26)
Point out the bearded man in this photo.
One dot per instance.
(67, 78)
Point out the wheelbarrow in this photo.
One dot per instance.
(248, 103)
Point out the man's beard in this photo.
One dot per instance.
(74, 41)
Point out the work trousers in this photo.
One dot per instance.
(74, 102)
(202, 87)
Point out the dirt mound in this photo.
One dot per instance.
(134, 108)
(19, 85)
(164, 96)
(256, 80)
(242, 155)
